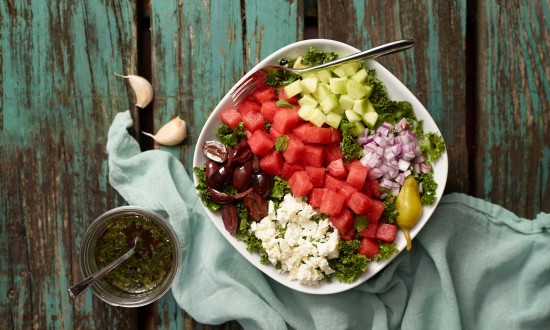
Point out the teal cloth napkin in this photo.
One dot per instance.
(473, 266)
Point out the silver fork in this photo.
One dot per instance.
(257, 79)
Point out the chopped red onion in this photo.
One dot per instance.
(402, 125)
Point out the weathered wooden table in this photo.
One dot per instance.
(480, 67)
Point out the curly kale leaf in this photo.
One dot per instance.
(429, 186)
(316, 57)
(432, 145)
(231, 137)
(386, 251)
(349, 145)
(202, 189)
(349, 265)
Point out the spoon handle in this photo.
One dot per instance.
(77, 289)
(386, 49)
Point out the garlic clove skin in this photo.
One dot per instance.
(143, 89)
(171, 134)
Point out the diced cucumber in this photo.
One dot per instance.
(352, 116)
(370, 118)
(360, 76)
(324, 75)
(333, 119)
(293, 88)
(338, 110)
(357, 90)
(338, 85)
(359, 128)
(306, 112)
(317, 118)
(346, 102)
(322, 91)
(346, 70)
(309, 84)
(299, 63)
(329, 103)
(307, 99)
(362, 106)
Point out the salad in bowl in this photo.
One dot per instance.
(321, 179)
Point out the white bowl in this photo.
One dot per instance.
(396, 91)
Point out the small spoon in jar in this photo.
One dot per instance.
(77, 289)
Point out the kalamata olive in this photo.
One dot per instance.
(261, 183)
(215, 150)
(211, 167)
(220, 197)
(242, 153)
(256, 206)
(241, 176)
(218, 178)
(230, 218)
(256, 164)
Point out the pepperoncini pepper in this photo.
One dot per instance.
(409, 207)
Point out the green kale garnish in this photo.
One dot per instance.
(202, 189)
(349, 265)
(349, 145)
(427, 196)
(386, 250)
(280, 188)
(432, 145)
(276, 78)
(231, 137)
(390, 213)
(316, 57)
(281, 143)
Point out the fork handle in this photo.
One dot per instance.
(386, 49)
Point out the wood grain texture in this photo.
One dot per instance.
(58, 96)
(434, 70)
(513, 117)
(199, 50)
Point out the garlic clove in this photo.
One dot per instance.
(171, 134)
(142, 89)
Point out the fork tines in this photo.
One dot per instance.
(247, 87)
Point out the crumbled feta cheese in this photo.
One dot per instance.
(299, 245)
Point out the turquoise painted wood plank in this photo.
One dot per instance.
(58, 95)
(513, 152)
(271, 25)
(434, 70)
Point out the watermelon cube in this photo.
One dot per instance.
(294, 150)
(268, 110)
(299, 184)
(248, 106)
(289, 169)
(301, 131)
(346, 190)
(272, 163)
(369, 231)
(369, 248)
(265, 94)
(231, 118)
(386, 232)
(359, 203)
(260, 143)
(371, 189)
(333, 183)
(333, 152)
(253, 121)
(374, 210)
(342, 221)
(336, 135)
(274, 134)
(316, 175)
(332, 203)
(357, 175)
(285, 120)
(320, 135)
(315, 197)
(313, 155)
(337, 169)
(349, 235)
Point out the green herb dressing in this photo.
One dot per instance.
(151, 261)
